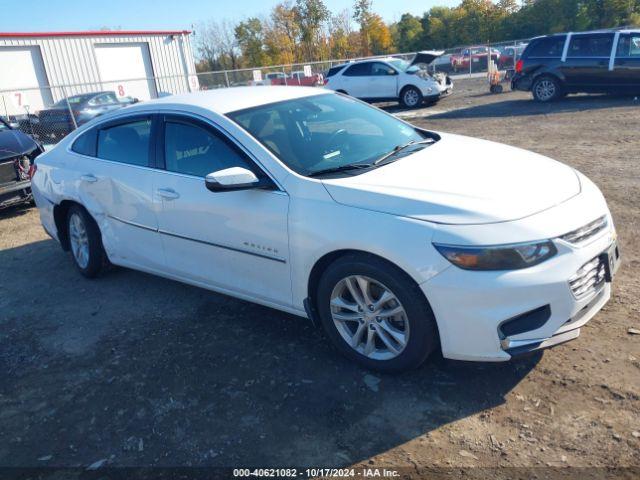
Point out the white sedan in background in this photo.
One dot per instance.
(396, 239)
(391, 79)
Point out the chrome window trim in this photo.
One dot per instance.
(614, 51)
(168, 111)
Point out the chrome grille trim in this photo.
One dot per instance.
(589, 278)
(587, 231)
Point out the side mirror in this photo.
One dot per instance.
(234, 178)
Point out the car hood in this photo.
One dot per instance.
(426, 57)
(460, 180)
(14, 142)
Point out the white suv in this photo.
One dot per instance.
(390, 79)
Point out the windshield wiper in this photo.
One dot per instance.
(399, 148)
(341, 168)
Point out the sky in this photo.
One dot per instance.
(74, 15)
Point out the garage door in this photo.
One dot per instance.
(23, 81)
(126, 69)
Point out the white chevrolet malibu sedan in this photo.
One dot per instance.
(396, 239)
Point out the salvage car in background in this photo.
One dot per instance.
(297, 78)
(17, 153)
(398, 240)
(473, 59)
(57, 121)
(591, 62)
(391, 79)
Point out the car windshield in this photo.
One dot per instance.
(325, 132)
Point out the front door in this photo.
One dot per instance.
(383, 82)
(626, 70)
(236, 241)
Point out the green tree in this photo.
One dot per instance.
(310, 16)
(249, 34)
(408, 33)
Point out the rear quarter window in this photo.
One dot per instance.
(548, 47)
(333, 70)
(86, 143)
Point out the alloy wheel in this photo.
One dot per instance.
(545, 90)
(369, 317)
(79, 240)
(411, 98)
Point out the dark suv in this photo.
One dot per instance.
(591, 62)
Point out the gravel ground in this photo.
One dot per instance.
(134, 370)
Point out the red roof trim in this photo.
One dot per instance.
(92, 33)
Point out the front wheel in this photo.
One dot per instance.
(375, 314)
(546, 89)
(411, 97)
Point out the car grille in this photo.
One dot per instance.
(587, 231)
(589, 278)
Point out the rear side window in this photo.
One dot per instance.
(629, 46)
(126, 143)
(333, 70)
(590, 45)
(193, 150)
(548, 47)
(359, 70)
(85, 144)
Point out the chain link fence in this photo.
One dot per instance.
(50, 113)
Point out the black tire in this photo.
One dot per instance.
(423, 332)
(410, 97)
(546, 89)
(96, 255)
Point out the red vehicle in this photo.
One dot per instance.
(473, 59)
(296, 78)
(510, 55)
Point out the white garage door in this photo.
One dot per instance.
(23, 81)
(126, 69)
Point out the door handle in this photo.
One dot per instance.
(167, 193)
(88, 177)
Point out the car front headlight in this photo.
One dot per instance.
(498, 257)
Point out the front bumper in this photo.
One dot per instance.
(470, 306)
(15, 192)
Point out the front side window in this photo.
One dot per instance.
(194, 150)
(325, 131)
(359, 70)
(590, 45)
(380, 69)
(548, 47)
(629, 46)
(126, 143)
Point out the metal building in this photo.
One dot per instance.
(38, 69)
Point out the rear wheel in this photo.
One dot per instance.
(375, 314)
(546, 89)
(410, 97)
(85, 242)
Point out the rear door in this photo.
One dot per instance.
(626, 68)
(355, 80)
(235, 240)
(113, 179)
(586, 66)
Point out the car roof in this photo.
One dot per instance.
(225, 100)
